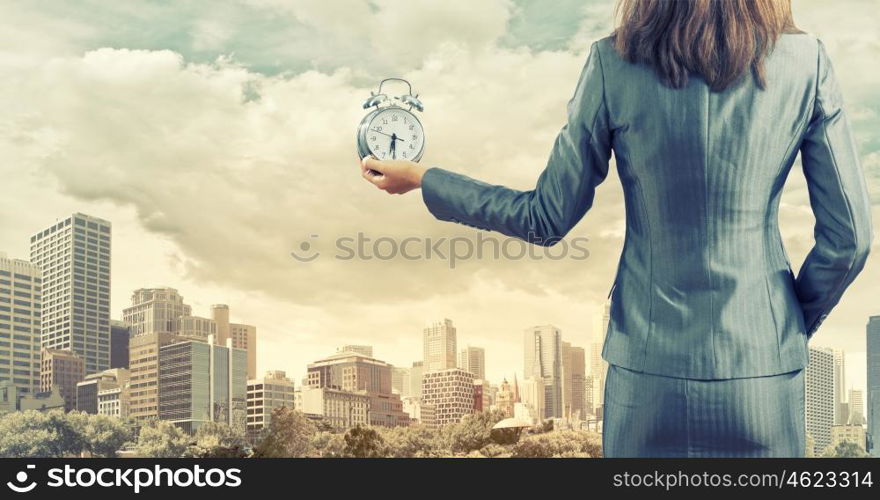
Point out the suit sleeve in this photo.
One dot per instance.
(839, 199)
(565, 189)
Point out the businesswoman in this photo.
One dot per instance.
(705, 104)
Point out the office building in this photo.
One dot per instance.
(61, 369)
(543, 361)
(819, 402)
(264, 395)
(873, 369)
(119, 337)
(20, 309)
(415, 379)
(852, 433)
(481, 395)
(196, 328)
(243, 336)
(840, 405)
(74, 256)
(533, 398)
(573, 381)
(855, 408)
(439, 346)
(144, 380)
(420, 413)
(450, 392)
(341, 409)
(114, 401)
(355, 372)
(88, 390)
(473, 359)
(155, 310)
(598, 367)
(366, 350)
(400, 381)
(202, 382)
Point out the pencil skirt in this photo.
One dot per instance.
(647, 415)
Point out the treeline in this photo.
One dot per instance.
(290, 434)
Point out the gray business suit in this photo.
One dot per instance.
(704, 289)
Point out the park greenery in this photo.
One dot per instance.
(290, 435)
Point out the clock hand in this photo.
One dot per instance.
(393, 146)
(389, 135)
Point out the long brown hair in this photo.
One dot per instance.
(717, 39)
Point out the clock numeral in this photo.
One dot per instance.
(384, 121)
(403, 153)
(412, 127)
(378, 129)
(415, 137)
(412, 146)
(394, 118)
(373, 138)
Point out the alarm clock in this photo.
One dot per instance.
(391, 131)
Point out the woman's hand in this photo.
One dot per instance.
(394, 176)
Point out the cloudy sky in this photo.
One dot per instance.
(218, 137)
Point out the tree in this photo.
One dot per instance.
(217, 440)
(473, 432)
(363, 442)
(26, 434)
(328, 445)
(101, 435)
(289, 435)
(845, 449)
(413, 441)
(559, 444)
(161, 439)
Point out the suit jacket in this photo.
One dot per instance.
(704, 288)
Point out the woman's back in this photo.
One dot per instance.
(705, 288)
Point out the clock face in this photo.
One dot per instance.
(395, 134)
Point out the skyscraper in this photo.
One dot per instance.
(415, 379)
(543, 361)
(873, 343)
(74, 256)
(473, 359)
(201, 382)
(119, 338)
(819, 402)
(20, 307)
(840, 407)
(153, 319)
(439, 346)
(855, 408)
(573, 380)
(598, 367)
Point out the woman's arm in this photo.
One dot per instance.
(564, 191)
(840, 202)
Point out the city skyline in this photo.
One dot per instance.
(203, 176)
